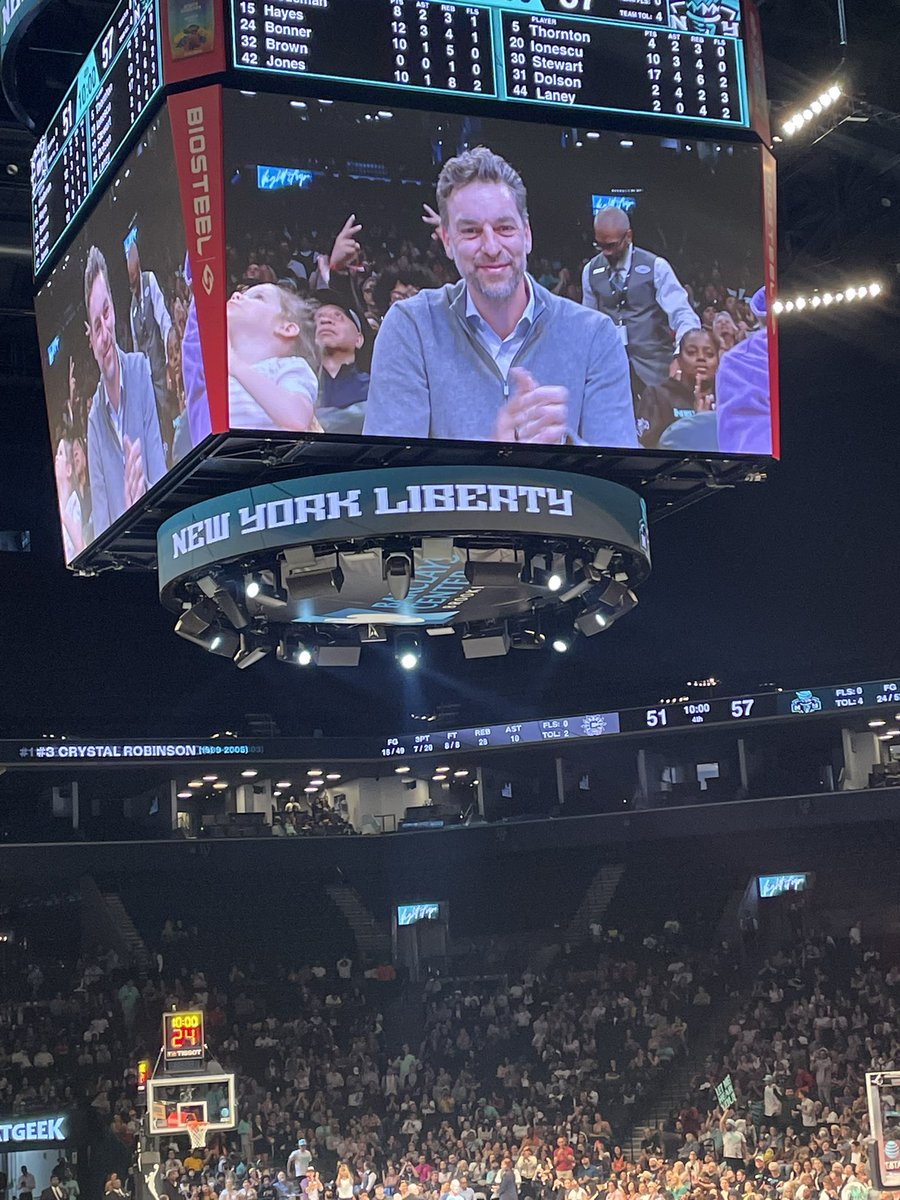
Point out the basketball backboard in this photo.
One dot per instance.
(174, 1102)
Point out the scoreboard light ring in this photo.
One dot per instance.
(430, 547)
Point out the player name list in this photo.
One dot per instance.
(628, 60)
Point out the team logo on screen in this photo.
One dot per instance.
(705, 16)
(806, 702)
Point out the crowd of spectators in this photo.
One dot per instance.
(522, 1085)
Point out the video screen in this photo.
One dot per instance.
(776, 885)
(407, 274)
(120, 349)
(409, 914)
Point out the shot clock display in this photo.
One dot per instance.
(666, 58)
(183, 1039)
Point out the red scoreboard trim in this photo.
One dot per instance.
(196, 118)
(770, 251)
(754, 63)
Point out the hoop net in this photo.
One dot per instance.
(196, 1131)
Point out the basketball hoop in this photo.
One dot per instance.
(196, 1131)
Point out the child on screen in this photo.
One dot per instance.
(271, 378)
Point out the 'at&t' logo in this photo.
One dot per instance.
(892, 1153)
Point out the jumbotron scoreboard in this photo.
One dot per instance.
(660, 57)
(670, 62)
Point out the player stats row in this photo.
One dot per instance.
(655, 58)
(199, 276)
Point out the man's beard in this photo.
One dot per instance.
(499, 289)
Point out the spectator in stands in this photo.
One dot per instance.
(640, 292)
(688, 393)
(344, 376)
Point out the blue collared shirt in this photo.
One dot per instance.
(501, 350)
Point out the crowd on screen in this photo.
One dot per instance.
(524, 1085)
(348, 278)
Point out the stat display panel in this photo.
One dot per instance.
(113, 89)
(659, 58)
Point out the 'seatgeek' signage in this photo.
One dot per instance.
(43, 1129)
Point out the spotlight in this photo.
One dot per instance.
(398, 571)
(407, 652)
(560, 645)
(288, 652)
(264, 592)
(221, 785)
(547, 576)
(313, 771)
(250, 773)
(333, 776)
(778, 306)
(524, 634)
(490, 642)
(339, 654)
(493, 574)
(218, 592)
(195, 621)
(249, 652)
(304, 577)
(404, 770)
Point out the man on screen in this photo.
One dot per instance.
(125, 450)
(496, 357)
(640, 292)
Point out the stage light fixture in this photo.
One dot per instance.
(304, 577)
(195, 783)
(250, 773)
(217, 590)
(261, 589)
(398, 572)
(493, 574)
(560, 645)
(220, 786)
(490, 642)
(196, 621)
(338, 654)
(402, 770)
(185, 795)
(525, 633)
(333, 777)
(407, 651)
(547, 575)
(249, 652)
(210, 778)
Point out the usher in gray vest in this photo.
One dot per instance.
(635, 307)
